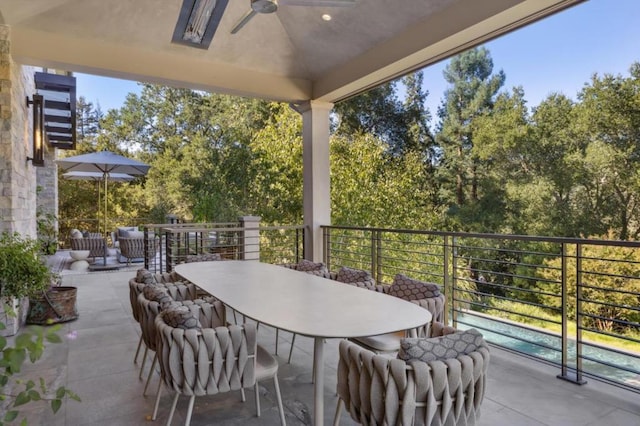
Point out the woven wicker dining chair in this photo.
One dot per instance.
(178, 288)
(424, 294)
(438, 381)
(212, 359)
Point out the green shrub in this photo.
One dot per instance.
(23, 272)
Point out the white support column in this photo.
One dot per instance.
(316, 196)
(250, 240)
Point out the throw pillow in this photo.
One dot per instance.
(133, 234)
(313, 268)
(85, 234)
(157, 293)
(145, 277)
(306, 266)
(76, 233)
(441, 348)
(181, 317)
(122, 229)
(410, 289)
(324, 272)
(350, 275)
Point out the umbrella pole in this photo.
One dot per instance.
(105, 217)
(99, 216)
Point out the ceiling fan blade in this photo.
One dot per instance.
(318, 3)
(246, 18)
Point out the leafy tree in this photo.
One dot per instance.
(87, 119)
(276, 160)
(502, 141)
(402, 126)
(609, 287)
(472, 93)
(370, 189)
(417, 118)
(377, 112)
(609, 118)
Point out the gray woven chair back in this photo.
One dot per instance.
(207, 313)
(435, 305)
(95, 243)
(376, 389)
(207, 361)
(178, 287)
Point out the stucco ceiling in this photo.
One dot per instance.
(292, 55)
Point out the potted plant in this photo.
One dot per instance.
(56, 304)
(22, 274)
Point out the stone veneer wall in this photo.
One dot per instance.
(18, 178)
(47, 184)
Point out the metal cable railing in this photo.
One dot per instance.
(270, 244)
(574, 303)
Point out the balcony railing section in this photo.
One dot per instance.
(232, 241)
(574, 303)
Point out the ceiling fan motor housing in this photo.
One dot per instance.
(264, 6)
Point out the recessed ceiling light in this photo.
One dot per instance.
(326, 17)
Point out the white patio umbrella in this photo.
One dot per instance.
(106, 163)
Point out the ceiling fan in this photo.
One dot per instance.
(270, 6)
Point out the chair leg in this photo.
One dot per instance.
(293, 340)
(257, 398)
(157, 404)
(242, 395)
(173, 409)
(336, 419)
(279, 398)
(277, 332)
(135, 359)
(187, 422)
(153, 364)
(144, 361)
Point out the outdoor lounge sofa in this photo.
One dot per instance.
(95, 243)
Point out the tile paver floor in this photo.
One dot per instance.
(98, 365)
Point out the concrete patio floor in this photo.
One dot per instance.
(98, 365)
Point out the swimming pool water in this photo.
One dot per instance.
(549, 347)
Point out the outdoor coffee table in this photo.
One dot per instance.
(304, 304)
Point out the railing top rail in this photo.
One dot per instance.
(558, 240)
(190, 225)
(277, 227)
(230, 229)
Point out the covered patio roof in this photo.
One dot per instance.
(291, 55)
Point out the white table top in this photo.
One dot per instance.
(302, 303)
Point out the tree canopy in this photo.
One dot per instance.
(493, 164)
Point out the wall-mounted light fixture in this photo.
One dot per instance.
(198, 22)
(59, 93)
(38, 129)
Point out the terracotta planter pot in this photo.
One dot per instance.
(56, 305)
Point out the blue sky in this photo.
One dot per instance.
(557, 54)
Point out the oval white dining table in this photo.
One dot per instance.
(304, 304)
